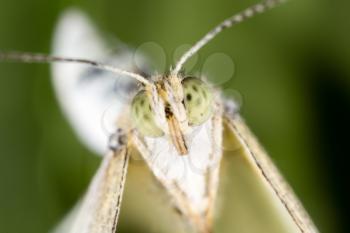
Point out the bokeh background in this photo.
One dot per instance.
(292, 70)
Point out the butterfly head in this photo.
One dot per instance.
(171, 107)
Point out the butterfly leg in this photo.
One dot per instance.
(117, 140)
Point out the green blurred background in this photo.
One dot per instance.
(292, 71)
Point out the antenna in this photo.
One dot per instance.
(41, 58)
(230, 22)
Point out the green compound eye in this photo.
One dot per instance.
(198, 100)
(143, 116)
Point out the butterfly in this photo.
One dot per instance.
(177, 123)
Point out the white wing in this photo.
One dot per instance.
(98, 211)
(91, 99)
(261, 196)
